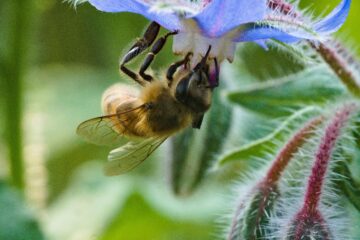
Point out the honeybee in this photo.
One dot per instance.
(138, 121)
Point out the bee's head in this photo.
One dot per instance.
(193, 90)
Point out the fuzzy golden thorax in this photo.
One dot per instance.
(152, 112)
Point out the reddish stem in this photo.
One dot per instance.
(285, 155)
(309, 219)
(323, 157)
(331, 56)
(282, 6)
(268, 186)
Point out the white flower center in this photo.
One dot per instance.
(175, 6)
(191, 40)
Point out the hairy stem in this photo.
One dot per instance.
(309, 222)
(339, 66)
(331, 56)
(292, 146)
(265, 193)
(322, 158)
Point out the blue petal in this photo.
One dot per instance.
(329, 24)
(257, 33)
(221, 16)
(167, 20)
(335, 19)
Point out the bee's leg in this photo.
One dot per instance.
(147, 40)
(217, 74)
(158, 45)
(173, 67)
(132, 75)
(197, 121)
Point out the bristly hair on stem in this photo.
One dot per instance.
(345, 66)
(75, 2)
(331, 51)
(323, 156)
(253, 212)
(319, 216)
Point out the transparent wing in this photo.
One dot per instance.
(109, 130)
(130, 155)
(101, 131)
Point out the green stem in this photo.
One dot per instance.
(348, 185)
(2, 69)
(14, 72)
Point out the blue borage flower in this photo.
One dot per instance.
(224, 23)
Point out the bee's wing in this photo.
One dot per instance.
(100, 131)
(130, 155)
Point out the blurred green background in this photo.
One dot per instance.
(55, 62)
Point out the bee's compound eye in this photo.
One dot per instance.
(198, 80)
(181, 92)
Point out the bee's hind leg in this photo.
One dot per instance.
(158, 45)
(146, 41)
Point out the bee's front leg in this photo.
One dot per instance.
(147, 40)
(158, 45)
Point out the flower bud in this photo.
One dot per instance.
(315, 219)
(252, 215)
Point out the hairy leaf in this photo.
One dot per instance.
(263, 146)
(279, 97)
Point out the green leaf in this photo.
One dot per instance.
(16, 221)
(59, 107)
(261, 147)
(349, 186)
(255, 64)
(294, 52)
(276, 98)
(193, 150)
(60, 102)
(87, 204)
(138, 220)
(62, 165)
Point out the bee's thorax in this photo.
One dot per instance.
(166, 115)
